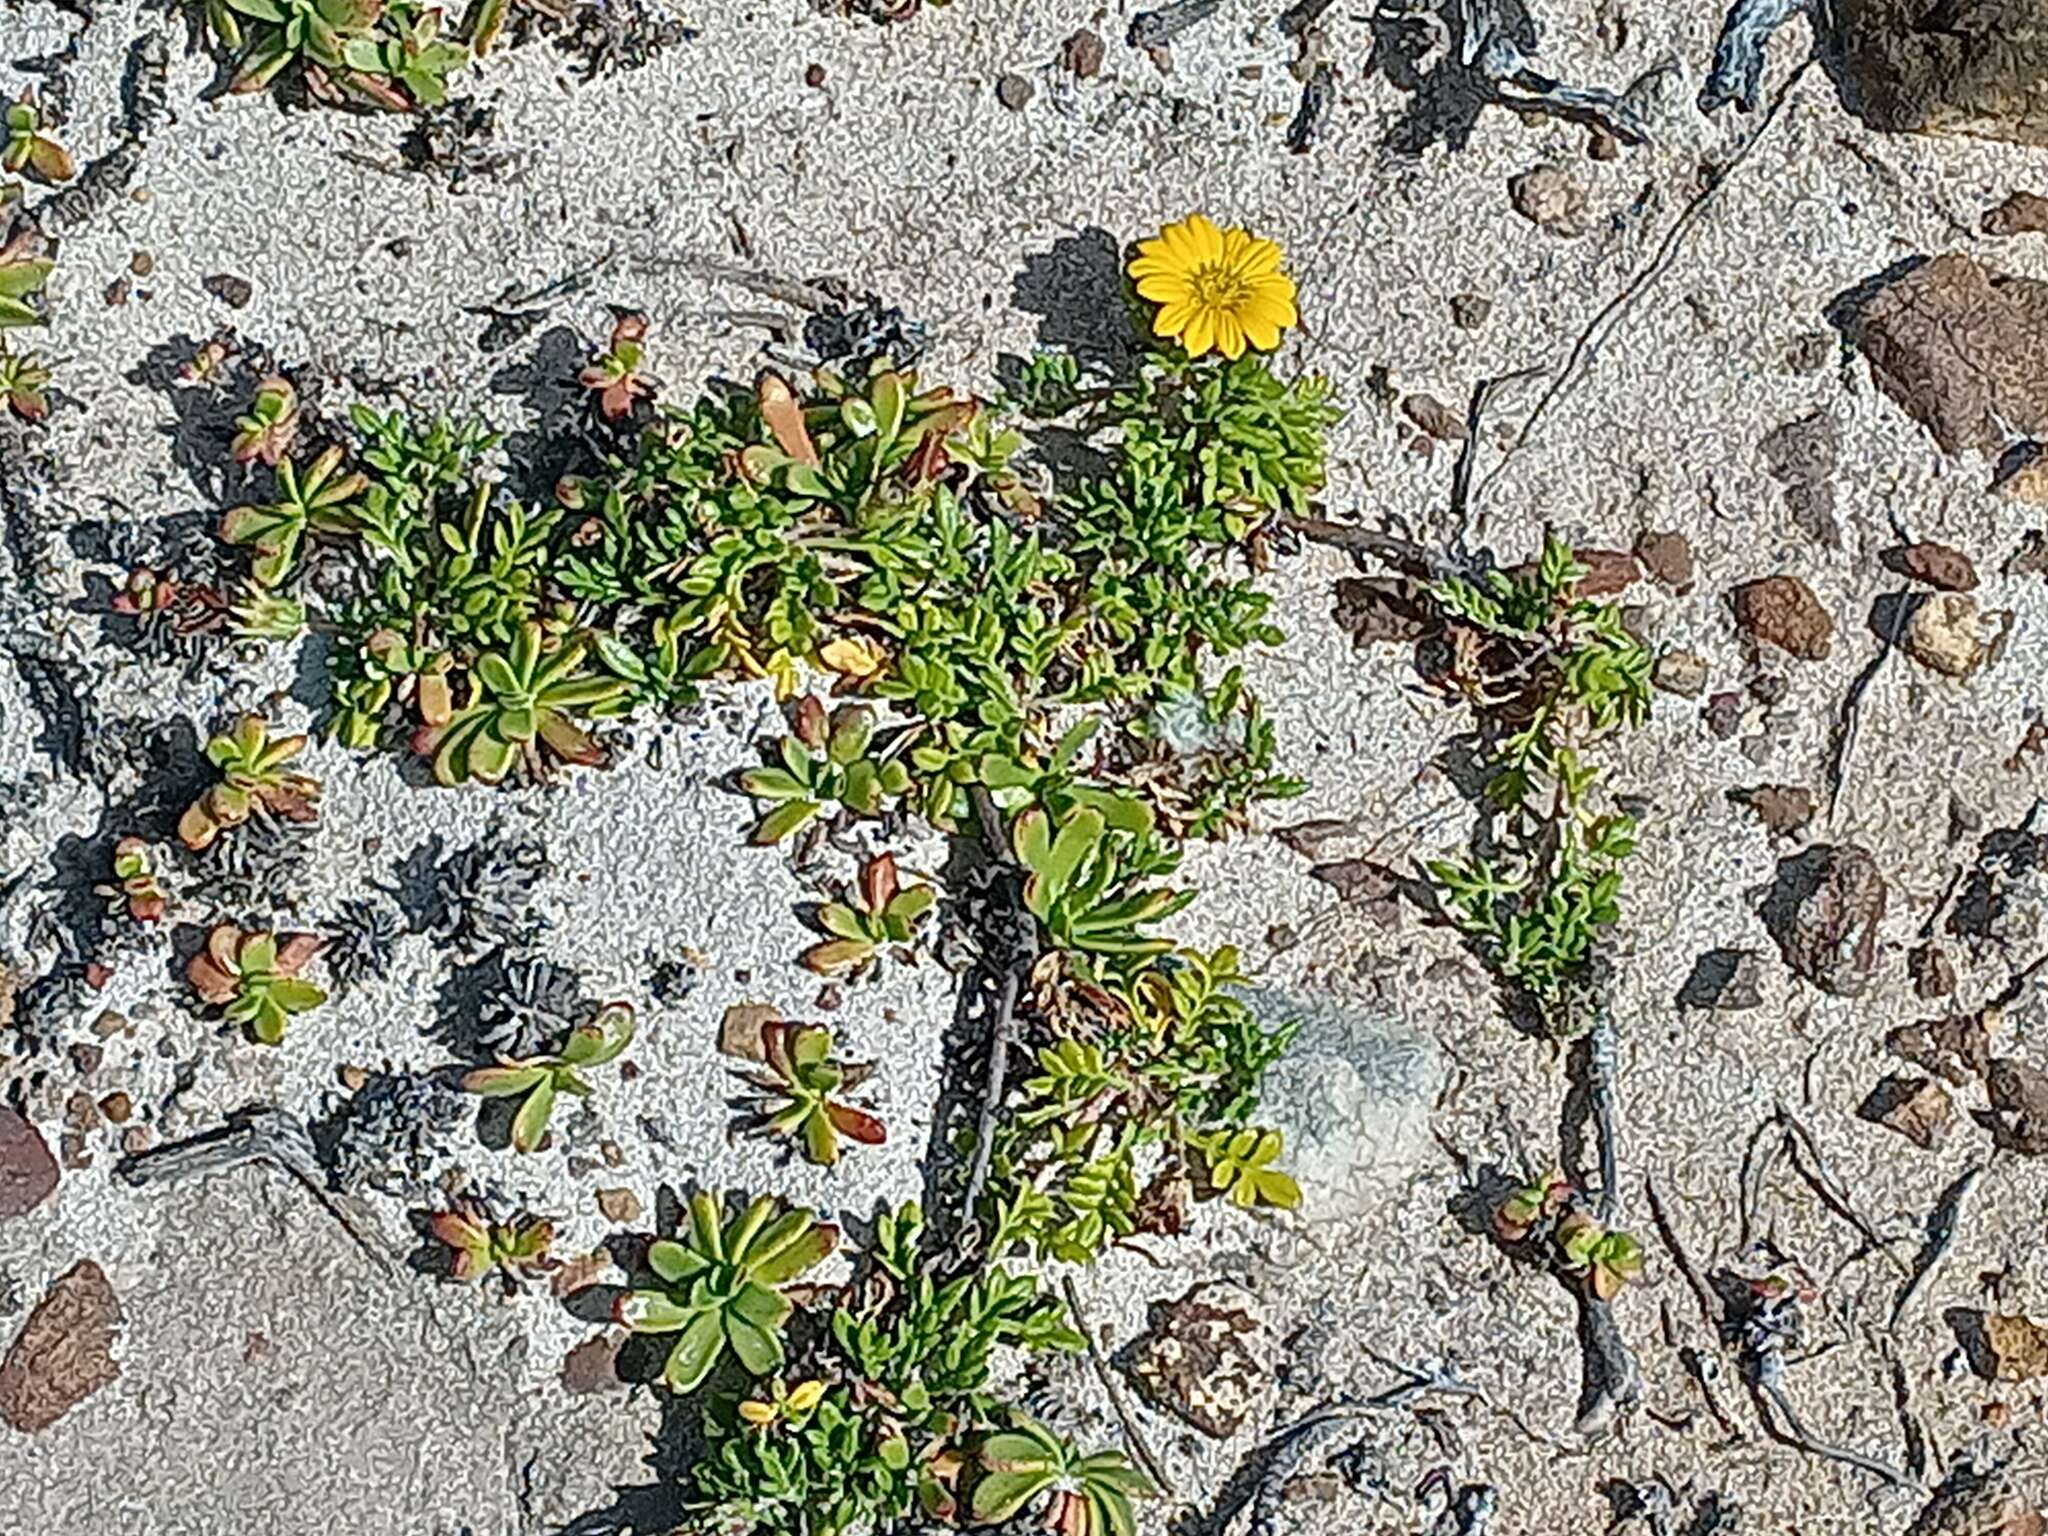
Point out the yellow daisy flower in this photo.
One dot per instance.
(1218, 290)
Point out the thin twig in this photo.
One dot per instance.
(1403, 554)
(1666, 253)
(1669, 1232)
(1134, 1437)
(1475, 414)
(1843, 737)
(261, 1135)
(1795, 1433)
(1941, 1232)
(1833, 1192)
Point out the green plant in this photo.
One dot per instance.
(266, 433)
(28, 147)
(882, 912)
(479, 1246)
(24, 381)
(315, 499)
(615, 376)
(1080, 886)
(1556, 671)
(1532, 1206)
(824, 761)
(23, 271)
(262, 615)
(382, 53)
(893, 1391)
(1239, 1164)
(253, 779)
(1608, 1260)
(521, 700)
(721, 1286)
(803, 1079)
(254, 977)
(537, 1080)
(135, 889)
(1091, 1495)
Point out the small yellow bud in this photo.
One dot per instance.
(805, 1396)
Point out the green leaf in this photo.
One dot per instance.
(655, 1312)
(695, 1352)
(530, 1123)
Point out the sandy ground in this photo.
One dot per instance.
(272, 1381)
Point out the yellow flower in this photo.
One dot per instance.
(1218, 290)
(757, 1413)
(805, 1396)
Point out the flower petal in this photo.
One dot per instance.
(1260, 257)
(1163, 287)
(1260, 330)
(1229, 335)
(1199, 335)
(1173, 318)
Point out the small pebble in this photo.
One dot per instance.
(136, 1138)
(1469, 311)
(1680, 672)
(352, 1077)
(116, 293)
(1081, 54)
(614, 1156)
(72, 1146)
(117, 1107)
(109, 1023)
(87, 1058)
(233, 291)
(142, 263)
(619, 1205)
(814, 77)
(1015, 92)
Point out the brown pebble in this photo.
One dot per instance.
(1668, 558)
(86, 1058)
(136, 1139)
(116, 293)
(1782, 611)
(2023, 213)
(1724, 715)
(1469, 311)
(1081, 54)
(613, 1154)
(1015, 92)
(814, 77)
(1435, 418)
(1681, 672)
(831, 997)
(140, 195)
(1934, 975)
(1939, 565)
(109, 1024)
(117, 1107)
(352, 1077)
(620, 1205)
(142, 264)
(1997, 1415)
(71, 1146)
(1602, 145)
(81, 1111)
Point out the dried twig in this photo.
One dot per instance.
(1611, 314)
(1134, 1437)
(1669, 1232)
(1833, 1192)
(264, 1134)
(1155, 29)
(1941, 1236)
(1842, 739)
